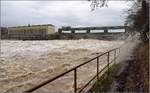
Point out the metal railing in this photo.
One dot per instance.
(107, 67)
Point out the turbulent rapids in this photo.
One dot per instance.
(24, 64)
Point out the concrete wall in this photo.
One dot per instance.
(50, 30)
(30, 32)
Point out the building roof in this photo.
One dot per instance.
(32, 25)
(3, 27)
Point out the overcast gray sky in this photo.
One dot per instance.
(62, 13)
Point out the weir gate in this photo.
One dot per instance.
(103, 32)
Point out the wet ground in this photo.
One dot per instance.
(135, 76)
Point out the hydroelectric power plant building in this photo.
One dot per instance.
(31, 32)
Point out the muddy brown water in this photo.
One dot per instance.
(25, 64)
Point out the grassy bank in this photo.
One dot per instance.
(105, 81)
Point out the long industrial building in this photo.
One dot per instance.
(30, 32)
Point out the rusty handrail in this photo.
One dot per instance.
(75, 72)
(104, 68)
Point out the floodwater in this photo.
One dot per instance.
(24, 64)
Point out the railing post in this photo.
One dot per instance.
(97, 67)
(119, 50)
(75, 80)
(108, 63)
(115, 56)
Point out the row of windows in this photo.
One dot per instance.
(28, 31)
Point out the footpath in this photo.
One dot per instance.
(135, 75)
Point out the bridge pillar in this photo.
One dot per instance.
(72, 31)
(88, 31)
(59, 31)
(106, 30)
(125, 29)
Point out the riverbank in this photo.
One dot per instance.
(135, 77)
(129, 75)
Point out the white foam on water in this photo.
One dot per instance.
(26, 63)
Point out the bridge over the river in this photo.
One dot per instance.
(92, 32)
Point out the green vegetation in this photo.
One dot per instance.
(105, 81)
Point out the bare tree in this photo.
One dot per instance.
(98, 3)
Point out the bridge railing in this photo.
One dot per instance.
(88, 29)
(75, 69)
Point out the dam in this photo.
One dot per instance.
(100, 32)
